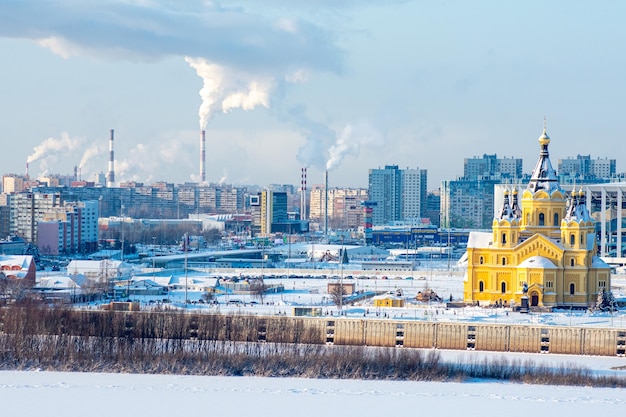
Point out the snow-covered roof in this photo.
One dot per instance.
(479, 240)
(537, 262)
(596, 262)
(23, 261)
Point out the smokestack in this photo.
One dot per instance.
(202, 156)
(111, 173)
(27, 170)
(303, 195)
(326, 206)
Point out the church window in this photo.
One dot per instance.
(572, 240)
(481, 286)
(572, 289)
(528, 218)
(503, 238)
(556, 219)
(602, 284)
(481, 260)
(503, 261)
(542, 219)
(571, 262)
(581, 239)
(549, 284)
(503, 287)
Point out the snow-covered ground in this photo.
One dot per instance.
(313, 292)
(97, 394)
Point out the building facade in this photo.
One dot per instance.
(542, 248)
(490, 166)
(344, 206)
(399, 194)
(584, 168)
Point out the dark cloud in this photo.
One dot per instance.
(149, 30)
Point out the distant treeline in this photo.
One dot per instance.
(34, 337)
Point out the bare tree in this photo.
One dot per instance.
(258, 288)
(338, 293)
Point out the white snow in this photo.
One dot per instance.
(98, 394)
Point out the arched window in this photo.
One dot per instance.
(528, 219)
(556, 219)
(503, 287)
(503, 238)
(571, 262)
(572, 240)
(503, 260)
(481, 260)
(542, 219)
(572, 289)
(481, 286)
(582, 240)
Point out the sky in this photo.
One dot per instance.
(343, 85)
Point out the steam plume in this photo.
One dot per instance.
(350, 141)
(227, 88)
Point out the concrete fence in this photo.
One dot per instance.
(427, 335)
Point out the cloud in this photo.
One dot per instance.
(150, 30)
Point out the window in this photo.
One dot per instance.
(503, 238)
(572, 240)
(571, 262)
(481, 286)
(602, 284)
(572, 289)
(503, 261)
(481, 260)
(503, 287)
(542, 219)
(549, 284)
(556, 219)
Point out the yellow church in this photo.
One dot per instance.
(542, 248)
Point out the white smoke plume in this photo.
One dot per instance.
(350, 141)
(227, 88)
(52, 146)
(89, 153)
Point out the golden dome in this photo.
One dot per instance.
(544, 139)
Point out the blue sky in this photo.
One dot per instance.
(349, 85)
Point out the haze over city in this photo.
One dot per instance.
(344, 85)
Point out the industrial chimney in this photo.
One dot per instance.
(303, 194)
(326, 206)
(111, 173)
(202, 156)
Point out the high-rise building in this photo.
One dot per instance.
(29, 208)
(344, 206)
(71, 228)
(268, 208)
(491, 167)
(585, 168)
(400, 194)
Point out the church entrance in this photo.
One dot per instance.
(534, 299)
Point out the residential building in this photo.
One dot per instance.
(344, 206)
(584, 168)
(399, 194)
(490, 166)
